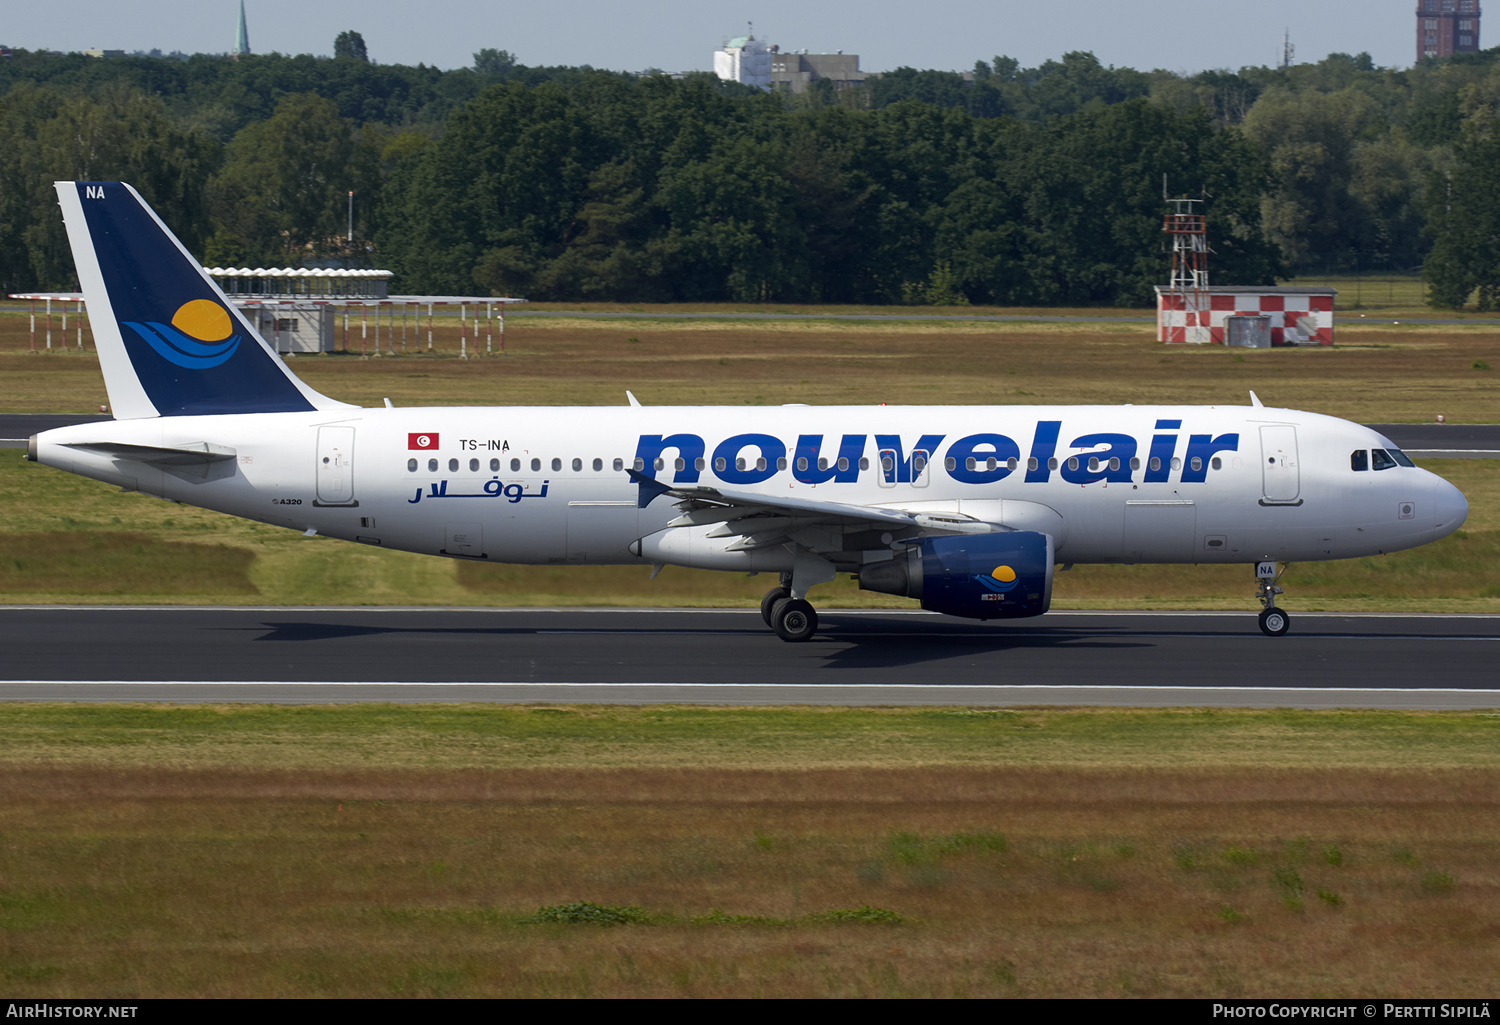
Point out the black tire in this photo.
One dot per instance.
(767, 603)
(1275, 622)
(795, 620)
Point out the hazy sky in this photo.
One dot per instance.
(680, 35)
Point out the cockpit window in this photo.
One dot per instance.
(1359, 459)
(1383, 460)
(1400, 457)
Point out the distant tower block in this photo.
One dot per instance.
(1188, 230)
(1446, 27)
(241, 35)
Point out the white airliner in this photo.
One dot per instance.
(966, 508)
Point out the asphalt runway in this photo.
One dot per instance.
(336, 655)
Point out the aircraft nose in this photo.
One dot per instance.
(1452, 508)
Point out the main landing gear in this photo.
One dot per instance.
(1274, 622)
(793, 619)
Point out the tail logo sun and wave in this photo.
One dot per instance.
(170, 343)
(200, 336)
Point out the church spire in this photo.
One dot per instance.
(242, 35)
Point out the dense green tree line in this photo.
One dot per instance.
(1008, 185)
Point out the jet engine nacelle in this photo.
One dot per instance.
(979, 576)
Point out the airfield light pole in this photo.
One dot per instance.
(33, 325)
(489, 327)
(49, 325)
(351, 215)
(80, 325)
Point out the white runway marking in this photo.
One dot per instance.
(755, 694)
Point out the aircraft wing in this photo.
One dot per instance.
(761, 521)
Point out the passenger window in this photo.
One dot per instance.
(432, 466)
(1052, 463)
(781, 462)
(1382, 459)
(494, 465)
(577, 465)
(698, 464)
(473, 466)
(1197, 463)
(843, 464)
(536, 464)
(598, 465)
(864, 462)
(1359, 460)
(1010, 464)
(1135, 463)
(619, 464)
(1176, 462)
(1073, 463)
(411, 466)
(822, 463)
(969, 463)
(556, 464)
(1114, 463)
(801, 464)
(1216, 463)
(719, 463)
(1031, 463)
(453, 466)
(1155, 463)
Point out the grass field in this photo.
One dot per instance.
(1375, 373)
(386, 852)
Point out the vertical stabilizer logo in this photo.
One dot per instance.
(200, 336)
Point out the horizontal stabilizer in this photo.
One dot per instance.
(156, 455)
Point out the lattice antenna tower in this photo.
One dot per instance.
(1288, 51)
(1187, 227)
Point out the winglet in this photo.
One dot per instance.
(651, 488)
(1255, 401)
(634, 402)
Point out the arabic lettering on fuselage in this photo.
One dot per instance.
(493, 488)
(974, 459)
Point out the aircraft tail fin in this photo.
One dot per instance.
(170, 342)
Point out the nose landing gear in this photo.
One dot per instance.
(1274, 622)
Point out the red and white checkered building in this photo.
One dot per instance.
(1285, 316)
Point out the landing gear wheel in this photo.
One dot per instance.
(794, 620)
(1275, 622)
(767, 603)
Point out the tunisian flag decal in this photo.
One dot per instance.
(421, 441)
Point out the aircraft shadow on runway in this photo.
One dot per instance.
(860, 644)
